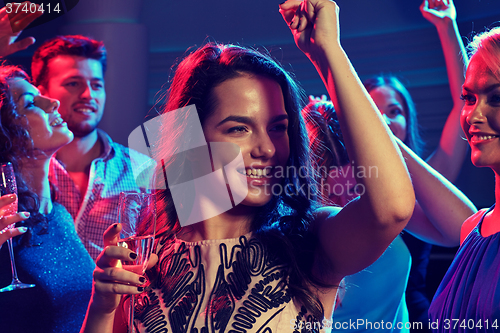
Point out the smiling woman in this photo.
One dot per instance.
(46, 127)
(469, 295)
(50, 254)
(250, 116)
(275, 258)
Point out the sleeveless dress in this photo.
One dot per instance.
(468, 298)
(61, 269)
(377, 294)
(230, 285)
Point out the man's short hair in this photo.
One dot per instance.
(76, 45)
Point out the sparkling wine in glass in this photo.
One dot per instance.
(8, 186)
(137, 209)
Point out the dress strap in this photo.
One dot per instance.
(478, 225)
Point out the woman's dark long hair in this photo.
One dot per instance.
(16, 144)
(413, 139)
(283, 224)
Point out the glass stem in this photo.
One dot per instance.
(131, 328)
(15, 279)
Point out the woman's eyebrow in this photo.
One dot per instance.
(279, 118)
(25, 93)
(485, 90)
(239, 119)
(249, 120)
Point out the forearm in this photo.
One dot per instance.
(455, 56)
(444, 206)
(367, 137)
(450, 154)
(97, 321)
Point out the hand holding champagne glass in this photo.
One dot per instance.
(7, 219)
(8, 186)
(135, 208)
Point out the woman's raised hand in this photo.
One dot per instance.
(13, 19)
(435, 11)
(6, 219)
(314, 23)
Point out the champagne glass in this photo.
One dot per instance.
(135, 208)
(8, 186)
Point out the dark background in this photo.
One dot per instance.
(144, 39)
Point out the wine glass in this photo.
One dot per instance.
(8, 186)
(134, 208)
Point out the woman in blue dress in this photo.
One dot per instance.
(468, 298)
(49, 253)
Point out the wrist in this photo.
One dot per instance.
(445, 24)
(103, 306)
(322, 53)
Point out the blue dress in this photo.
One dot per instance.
(377, 294)
(469, 295)
(60, 267)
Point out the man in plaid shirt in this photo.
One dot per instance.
(90, 172)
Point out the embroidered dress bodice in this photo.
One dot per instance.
(230, 285)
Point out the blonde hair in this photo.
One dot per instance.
(487, 46)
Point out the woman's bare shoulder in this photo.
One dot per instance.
(471, 223)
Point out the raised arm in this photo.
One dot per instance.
(357, 235)
(441, 208)
(448, 157)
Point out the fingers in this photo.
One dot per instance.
(6, 200)
(118, 281)
(295, 14)
(5, 221)
(109, 277)
(112, 234)
(302, 23)
(6, 234)
(22, 15)
(290, 5)
(7, 211)
(110, 256)
(424, 6)
(116, 288)
(3, 13)
(288, 9)
(435, 4)
(22, 19)
(153, 260)
(22, 44)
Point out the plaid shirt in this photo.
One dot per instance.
(109, 175)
